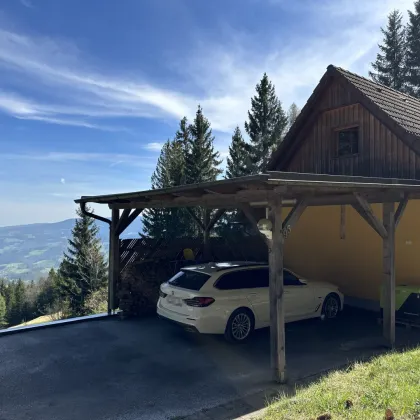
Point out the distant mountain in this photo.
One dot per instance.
(29, 251)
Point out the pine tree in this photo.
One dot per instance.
(238, 161)
(266, 124)
(83, 269)
(413, 51)
(202, 161)
(3, 322)
(169, 172)
(292, 114)
(389, 66)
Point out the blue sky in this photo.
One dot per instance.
(89, 90)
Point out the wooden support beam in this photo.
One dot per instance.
(247, 210)
(389, 275)
(127, 222)
(216, 217)
(366, 212)
(114, 259)
(401, 208)
(199, 223)
(123, 219)
(206, 236)
(343, 222)
(294, 214)
(276, 290)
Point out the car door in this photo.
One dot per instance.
(257, 280)
(298, 297)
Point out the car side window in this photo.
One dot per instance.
(243, 279)
(290, 279)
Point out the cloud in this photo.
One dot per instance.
(62, 180)
(154, 147)
(221, 75)
(27, 3)
(112, 159)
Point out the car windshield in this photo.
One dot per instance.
(188, 279)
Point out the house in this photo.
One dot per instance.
(353, 126)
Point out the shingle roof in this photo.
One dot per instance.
(403, 108)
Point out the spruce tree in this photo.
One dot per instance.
(266, 124)
(83, 269)
(413, 51)
(169, 172)
(292, 114)
(389, 66)
(202, 161)
(238, 161)
(3, 322)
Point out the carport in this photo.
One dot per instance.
(273, 191)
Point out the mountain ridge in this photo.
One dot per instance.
(30, 251)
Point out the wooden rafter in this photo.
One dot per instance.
(196, 219)
(294, 214)
(129, 219)
(216, 217)
(401, 208)
(366, 212)
(247, 210)
(123, 219)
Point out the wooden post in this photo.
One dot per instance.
(114, 259)
(277, 335)
(389, 274)
(206, 235)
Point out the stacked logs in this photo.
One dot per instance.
(139, 286)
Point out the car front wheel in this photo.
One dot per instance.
(239, 326)
(331, 306)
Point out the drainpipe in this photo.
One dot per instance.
(94, 216)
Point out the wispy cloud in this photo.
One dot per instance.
(111, 159)
(225, 75)
(63, 180)
(154, 147)
(27, 3)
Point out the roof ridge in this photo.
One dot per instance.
(341, 69)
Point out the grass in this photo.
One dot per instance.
(363, 392)
(39, 320)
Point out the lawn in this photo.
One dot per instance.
(363, 392)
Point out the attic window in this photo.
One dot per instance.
(348, 141)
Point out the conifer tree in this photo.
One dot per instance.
(238, 161)
(83, 269)
(389, 67)
(202, 161)
(413, 51)
(292, 114)
(266, 124)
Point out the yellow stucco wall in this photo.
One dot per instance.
(314, 249)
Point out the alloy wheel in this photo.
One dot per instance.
(331, 307)
(241, 326)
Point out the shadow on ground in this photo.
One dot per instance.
(148, 369)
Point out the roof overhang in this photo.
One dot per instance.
(259, 190)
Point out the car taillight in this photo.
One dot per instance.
(162, 295)
(200, 302)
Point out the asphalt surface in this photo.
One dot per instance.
(148, 369)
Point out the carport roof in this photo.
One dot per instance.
(257, 190)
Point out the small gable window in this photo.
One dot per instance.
(348, 141)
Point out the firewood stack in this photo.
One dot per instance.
(139, 286)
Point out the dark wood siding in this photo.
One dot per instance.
(381, 153)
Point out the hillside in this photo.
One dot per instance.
(28, 251)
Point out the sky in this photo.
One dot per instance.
(91, 89)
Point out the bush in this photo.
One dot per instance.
(97, 302)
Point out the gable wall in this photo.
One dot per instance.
(381, 153)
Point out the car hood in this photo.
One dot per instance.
(323, 284)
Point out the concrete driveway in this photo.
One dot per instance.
(148, 369)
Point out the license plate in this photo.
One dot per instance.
(174, 301)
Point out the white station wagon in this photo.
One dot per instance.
(232, 298)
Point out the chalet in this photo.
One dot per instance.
(353, 126)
